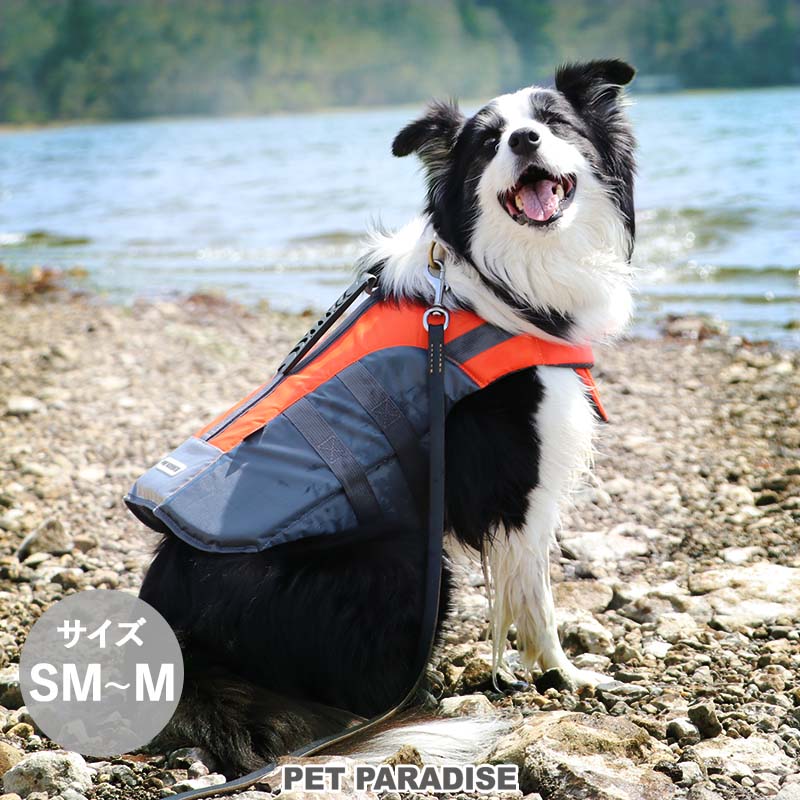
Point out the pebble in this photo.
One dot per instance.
(552, 679)
(549, 748)
(9, 756)
(467, 706)
(69, 578)
(757, 752)
(588, 595)
(92, 474)
(9, 521)
(50, 772)
(657, 649)
(674, 626)
(477, 675)
(184, 757)
(602, 546)
(10, 693)
(592, 662)
(202, 782)
(50, 537)
(690, 773)
(581, 633)
(738, 495)
(692, 327)
(741, 555)
(704, 717)
(682, 730)
(614, 692)
(23, 406)
(22, 730)
(71, 794)
(84, 543)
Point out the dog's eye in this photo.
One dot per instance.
(555, 119)
(491, 141)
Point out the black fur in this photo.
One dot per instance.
(240, 722)
(492, 457)
(555, 323)
(334, 625)
(593, 90)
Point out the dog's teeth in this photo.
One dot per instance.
(518, 203)
(560, 192)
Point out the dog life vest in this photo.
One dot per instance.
(340, 439)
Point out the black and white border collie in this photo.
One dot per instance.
(531, 202)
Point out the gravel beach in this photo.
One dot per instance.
(678, 575)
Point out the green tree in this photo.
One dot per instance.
(64, 59)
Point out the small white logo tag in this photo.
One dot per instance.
(170, 466)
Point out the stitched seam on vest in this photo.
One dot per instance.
(391, 421)
(338, 457)
(306, 512)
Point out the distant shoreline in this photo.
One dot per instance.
(23, 127)
(690, 328)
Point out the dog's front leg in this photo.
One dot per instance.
(520, 568)
(519, 559)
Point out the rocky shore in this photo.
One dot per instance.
(678, 575)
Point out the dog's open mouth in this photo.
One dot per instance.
(538, 198)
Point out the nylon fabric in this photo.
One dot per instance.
(337, 456)
(342, 439)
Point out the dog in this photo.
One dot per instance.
(530, 201)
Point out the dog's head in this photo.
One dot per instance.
(535, 180)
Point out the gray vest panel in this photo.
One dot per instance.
(353, 451)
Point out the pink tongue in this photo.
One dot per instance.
(539, 200)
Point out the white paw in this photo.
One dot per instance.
(585, 677)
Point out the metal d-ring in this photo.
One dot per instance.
(436, 310)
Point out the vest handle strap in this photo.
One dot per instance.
(364, 283)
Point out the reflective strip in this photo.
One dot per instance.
(335, 453)
(392, 422)
(475, 342)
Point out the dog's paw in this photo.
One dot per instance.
(585, 677)
(569, 677)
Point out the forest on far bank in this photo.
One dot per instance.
(116, 59)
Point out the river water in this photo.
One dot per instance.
(274, 207)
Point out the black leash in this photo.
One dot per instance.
(435, 320)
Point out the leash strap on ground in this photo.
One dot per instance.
(436, 321)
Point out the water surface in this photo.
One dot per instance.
(273, 208)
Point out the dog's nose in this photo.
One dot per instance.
(523, 142)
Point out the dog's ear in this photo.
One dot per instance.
(593, 89)
(432, 136)
(593, 83)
